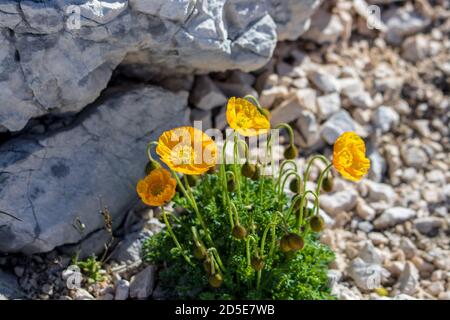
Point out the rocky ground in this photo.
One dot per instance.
(390, 84)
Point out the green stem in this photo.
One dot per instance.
(258, 105)
(281, 189)
(281, 172)
(242, 142)
(229, 207)
(223, 176)
(236, 214)
(308, 167)
(169, 229)
(194, 207)
(217, 258)
(149, 153)
(263, 239)
(195, 235)
(321, 177)
(299, 219)
(247, 248)
(290, 131)
(235, 166)
(258, 279)
(272, 244)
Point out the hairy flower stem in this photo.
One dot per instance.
(281, 170)
(223, 176)
(149, 153)
(281, 188)
(258, 279)
(322, 176)
(289, 130)
(169, 229)
(191, 200)
(308, 167)
(256, 102)
(230, 205)
(236, 214)
(263, 239)
(214, 253)
(299, 219)
(236, 166)
(247, 248)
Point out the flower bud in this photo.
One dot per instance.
(327, 183)
(296, 205)
(231, 184)
(308, 212)
(295, 185)
(284, 244)
(316, 223)
(291, 152)
(151, 165)
(207, 266)
(257, 263)
(257, 174)
(239, 232)
(200, 252)
(215, 280)
(248, 170)
(295, 241)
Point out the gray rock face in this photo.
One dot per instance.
(57, 56)
(53, 182)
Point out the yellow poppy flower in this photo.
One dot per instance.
(349, 156)
(187, 150)
(157, 188)
(245, 118)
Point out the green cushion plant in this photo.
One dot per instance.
(239, 235)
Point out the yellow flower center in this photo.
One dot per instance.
(242, 121)
(346, 158)
(156, 189)
(183, 154)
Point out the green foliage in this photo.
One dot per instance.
(293, 275)
(91, 268)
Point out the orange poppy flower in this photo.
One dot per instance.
(157, 188)
(187, 150)
(245, 118)
(349, 156)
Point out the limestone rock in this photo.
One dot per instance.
(367, 276)
(54, 182)
(337, 124)
(339, 201)
(402, 22)
(409, 279)
(142, 284)
(206, 95)
(57, 59)
(393, 216)
(292, 17)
